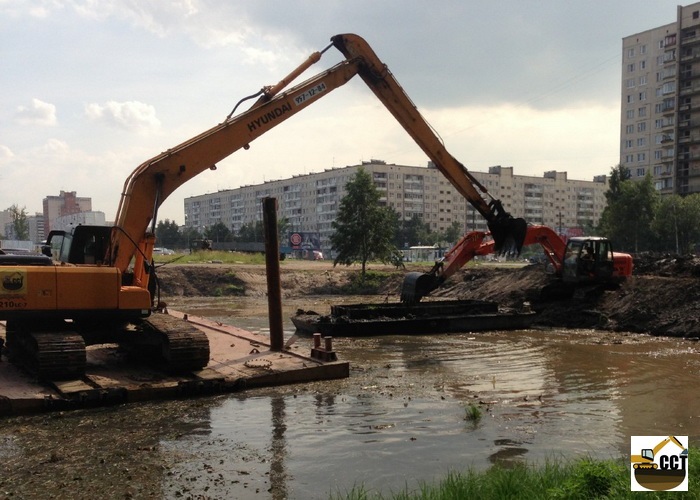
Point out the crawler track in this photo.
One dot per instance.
(183, 347)
(48, 355)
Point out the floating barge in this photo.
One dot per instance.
(238, 360)
(357, 320)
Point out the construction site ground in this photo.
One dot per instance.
(661, 298)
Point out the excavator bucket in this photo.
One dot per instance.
(416, 286)
(508, 235)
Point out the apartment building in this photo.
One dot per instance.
(660, 115)
(66, 203)
(310, 202)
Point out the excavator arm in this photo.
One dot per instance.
(417, 285)
(156, 179)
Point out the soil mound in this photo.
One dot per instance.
(661, 298)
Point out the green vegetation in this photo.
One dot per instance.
(637, 218)
(364, 230)
(205, 257)
(472, 413)
(585, 478)
(368, 285)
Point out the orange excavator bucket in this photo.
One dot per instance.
(508, 235)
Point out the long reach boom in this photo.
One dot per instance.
(156, 179)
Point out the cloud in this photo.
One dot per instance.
(38, 113)
(129, 115)
(5, 152)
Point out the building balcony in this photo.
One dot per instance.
(693, 89)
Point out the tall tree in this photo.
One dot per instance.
(20, 226)
(218, 232)
(364, 229)
(677, 223)
(453, 233)
(250, 231)
(629, 214)
(188, 235)
(167, 233)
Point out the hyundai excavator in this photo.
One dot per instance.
(99, 285)
(581, 260)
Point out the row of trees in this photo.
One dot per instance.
(638, 219)
(170, 235)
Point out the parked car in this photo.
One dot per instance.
(162, 251)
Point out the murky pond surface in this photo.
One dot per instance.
(400, 417)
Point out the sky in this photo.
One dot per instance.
(93, 88)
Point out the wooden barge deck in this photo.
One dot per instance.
(238, 360)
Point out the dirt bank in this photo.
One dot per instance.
(662, 298)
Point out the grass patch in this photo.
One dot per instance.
(584, 478)
(205, 257)
(368, 286)
(228, 290)
(472, 413)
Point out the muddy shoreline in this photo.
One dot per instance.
(661, 298)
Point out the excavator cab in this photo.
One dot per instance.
(588, 260)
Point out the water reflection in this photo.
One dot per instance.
(400, 418)
(278, 446)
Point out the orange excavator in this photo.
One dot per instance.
(97, 284)
(580, 260)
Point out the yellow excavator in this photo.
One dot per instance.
(646, 459)
(97, 284)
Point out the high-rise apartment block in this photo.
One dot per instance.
(66, 203)
(310, 202)
(660, 119)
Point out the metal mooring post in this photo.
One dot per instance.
(272, 266)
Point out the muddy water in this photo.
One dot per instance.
(399, 419)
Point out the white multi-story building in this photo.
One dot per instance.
(310, 202)
(660, 115)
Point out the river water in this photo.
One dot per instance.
(400, 419)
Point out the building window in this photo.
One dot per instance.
(643, 96)
(642, 112)
(630, 129)
(630, 83)
(641, 127)
(630, 68)
(643, 80)
(641, 157)
(640, 172)
(630, 52)
(630, 114)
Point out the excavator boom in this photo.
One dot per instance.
(156, 179)
(417, 285)
(104, 277)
